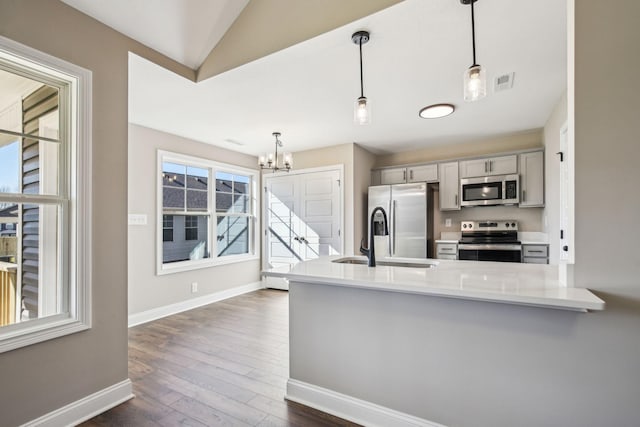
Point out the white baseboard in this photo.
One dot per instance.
(350, 408)
(85, 408)
(179, 307)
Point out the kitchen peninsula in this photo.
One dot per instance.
(412, 346)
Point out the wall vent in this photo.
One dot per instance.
(503, 82)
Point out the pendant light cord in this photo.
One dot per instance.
(473, 33)
(361, 79)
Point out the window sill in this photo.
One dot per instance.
(39, 330)
(200, 264)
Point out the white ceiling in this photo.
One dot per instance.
(184, 30)
(416, 57)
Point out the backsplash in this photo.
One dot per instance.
(529, 219)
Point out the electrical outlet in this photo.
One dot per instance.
(194, 287)
(447, 222)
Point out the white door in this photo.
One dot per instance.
(281, 222)
(319, 224)
(303, 213)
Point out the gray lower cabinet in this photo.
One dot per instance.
(535, 253)
(446, 250)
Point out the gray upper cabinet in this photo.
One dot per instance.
(425, 173)
(532, 179)
(449, 187)
(422, 173)
(502, 165)
(393, 176)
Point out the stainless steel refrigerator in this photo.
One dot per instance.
(408, 225)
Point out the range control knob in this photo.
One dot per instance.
(507, 225)
(513, 224)
(464, 225)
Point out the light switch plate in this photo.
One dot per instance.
(447, 222)
(137, 219)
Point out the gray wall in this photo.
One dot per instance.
(497, 365)
(146, 289)
(43, 377)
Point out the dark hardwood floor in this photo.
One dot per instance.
(225, 364)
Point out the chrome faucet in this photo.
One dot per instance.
(371, 253)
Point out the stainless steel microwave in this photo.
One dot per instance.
(490, 190)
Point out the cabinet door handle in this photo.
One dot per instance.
(455, 200)
(485, 166)
(411, 175)
(490, 166)
(404, 175)
(524, 195)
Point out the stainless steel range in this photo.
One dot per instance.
(490, 240)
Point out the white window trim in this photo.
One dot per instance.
(214, 260)
(76, 113)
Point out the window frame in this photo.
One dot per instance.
(212, 167)
(74, 84)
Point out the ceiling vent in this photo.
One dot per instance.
(233, 141)
(503, 82)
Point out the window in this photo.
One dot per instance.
(167, 228)
(191, 228)
(45, 181)
(190, 239)
(233, 213)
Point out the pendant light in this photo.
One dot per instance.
(475, 78)
(362, 108)
(270, 161)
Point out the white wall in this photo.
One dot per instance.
(146, 289)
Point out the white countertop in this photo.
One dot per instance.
(509, 283)
(446, 241)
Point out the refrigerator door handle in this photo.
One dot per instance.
(390, 237)
(393, 229)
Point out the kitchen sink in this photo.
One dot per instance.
(386, 262)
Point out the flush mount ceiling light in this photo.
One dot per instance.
(270, 161)
(436, 111)
(475, 78)
(362, 110)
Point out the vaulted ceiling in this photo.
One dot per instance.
(306, 85)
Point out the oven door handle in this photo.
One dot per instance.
(488, 246)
